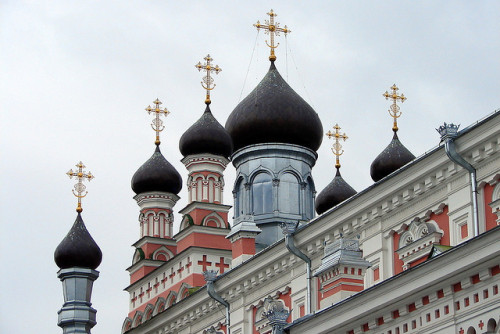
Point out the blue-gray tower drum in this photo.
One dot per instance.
(275, 134)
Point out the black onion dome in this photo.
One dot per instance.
(274, 113)
(157, 174)
(78, 249)
(335, 192)
(207, 135)
(393, 157)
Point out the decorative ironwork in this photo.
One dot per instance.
(448, 131)
(337, 147)
(157, 123)
(271, 28)
(208, 81)
(210, 275)
(79, 188)
(394, 108)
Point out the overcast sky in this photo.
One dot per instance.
(77, 75)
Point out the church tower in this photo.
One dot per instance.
(206, 147)
(156, 184)
(276, 135)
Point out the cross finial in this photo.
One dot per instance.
(79, 188)
(336, 147)
(157, 123)
(272, 28)
(394, 108)
(208, 81)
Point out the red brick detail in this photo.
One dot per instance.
(376, 274)
(418, 261)
(464, 231)
(302, 311)
(398, 264)
(446, 309)
(475, 279)
(350, 332)
(495, 289)
(461, 331)
(457, 287)
(440, 293)
(495, 270)
(395, 314)
(425, 300)
(443, 221)
(380, 321)
(481, 324)
(366, 328)
(204, 240)
(204, 263)
(466, 301)
(243, 246)
(412, 307)
(490, 217)
(172, 274)
(180, 270)
(221, 265)
(476, 298)
(437, 314)
(140, 273)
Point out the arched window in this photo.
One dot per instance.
(262, 194)
(238, 201)
(289, 194)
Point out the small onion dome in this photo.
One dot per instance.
(274, 113)
(393, 157)
(157, 174)
(207, 135)
(335, 192)
(78, 249)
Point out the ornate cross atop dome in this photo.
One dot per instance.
(80, 188)
(157, 123)
(207, 79)
(337, 147)
(271, 28)
(394, 108)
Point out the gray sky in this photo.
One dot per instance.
(76, 77)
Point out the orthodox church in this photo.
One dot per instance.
(415, 252)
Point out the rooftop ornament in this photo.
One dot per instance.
(337, 147)
(208, 81)
(394, 108)
(79, 188)
(271, 28)
(157, 123)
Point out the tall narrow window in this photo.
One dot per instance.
(289, 194)
(239, 200)
(262, 194)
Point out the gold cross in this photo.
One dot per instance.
(79, 188)
(337, 148)
(157, 123)
(394, 108)
(272, 28)
(208, 80)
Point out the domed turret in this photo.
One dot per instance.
(78, 249)
(338, 190)
(393, 157)
(335, 192)
(157, 174)
(274, 113)
(207, 135)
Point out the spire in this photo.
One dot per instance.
(78, 256)
(394, 108)
(157, 123)
(80, 188)
(207, 79)
(271, 28)
(337, 148)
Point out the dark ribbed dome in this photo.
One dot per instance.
(393, 157)
(274, 113)
(206, 136)
(335, 192)
(78, 249)
(157, 174)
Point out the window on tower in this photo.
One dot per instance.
(262, 194)
(289, 194)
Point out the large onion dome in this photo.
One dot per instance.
(393, 157)
(207, 135)
(274, 113)
(335, 192)
(78, 249)
(157, 174)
